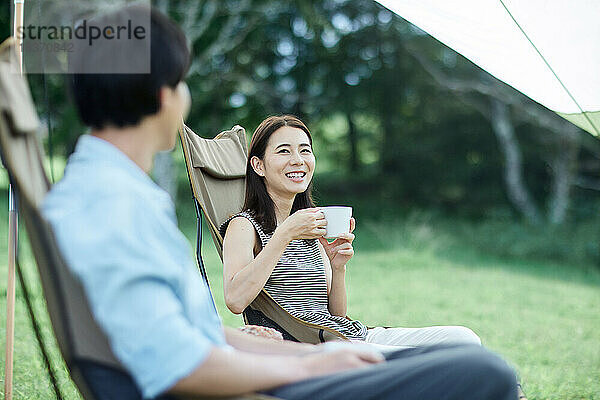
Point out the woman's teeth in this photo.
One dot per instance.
(296, 175)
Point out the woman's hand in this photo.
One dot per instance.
(308, 223)
(340, 251)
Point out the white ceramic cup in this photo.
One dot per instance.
(338, 220)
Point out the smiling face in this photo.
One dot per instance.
(288, 164)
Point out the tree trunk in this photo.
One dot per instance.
(513, 165)
(387, 153)
(564, 166)
(353, 142)
(389, 102)
(164, 173)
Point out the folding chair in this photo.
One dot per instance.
(216, 170)
(79, 338)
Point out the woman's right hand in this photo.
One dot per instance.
(308, 223)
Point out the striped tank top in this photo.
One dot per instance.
(298, 283)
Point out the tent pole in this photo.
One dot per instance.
(13, 218)
(10, 294)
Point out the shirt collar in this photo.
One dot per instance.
(92, 148)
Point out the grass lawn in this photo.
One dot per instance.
(543, 317)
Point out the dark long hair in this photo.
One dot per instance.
(257, 199)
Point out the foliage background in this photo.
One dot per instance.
(398, 118)
(417, 139)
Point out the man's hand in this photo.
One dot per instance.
(227, 371)
(340, 359)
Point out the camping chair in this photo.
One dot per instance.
(217, 169)
(79, 338)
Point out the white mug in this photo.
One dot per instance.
(338, 220)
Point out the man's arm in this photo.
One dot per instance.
(227, 372)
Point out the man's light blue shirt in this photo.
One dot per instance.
(118, 232)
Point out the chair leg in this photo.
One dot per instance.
(520, 392)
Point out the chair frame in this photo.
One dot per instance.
(79, 338)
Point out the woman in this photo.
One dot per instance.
(277, 244)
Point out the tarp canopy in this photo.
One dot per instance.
(547, 49)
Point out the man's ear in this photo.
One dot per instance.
(257, 166)
(163, 96)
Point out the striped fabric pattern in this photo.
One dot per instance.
(298, 283)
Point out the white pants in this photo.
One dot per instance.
(395, 338)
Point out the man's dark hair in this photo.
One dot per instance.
(123, 99)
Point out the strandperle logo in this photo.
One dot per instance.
(66, 36)
(83, 31)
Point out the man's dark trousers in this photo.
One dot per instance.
(425, 373)
(466, 372)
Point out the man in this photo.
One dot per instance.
(118, 233)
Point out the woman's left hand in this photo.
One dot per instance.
(340, 251)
